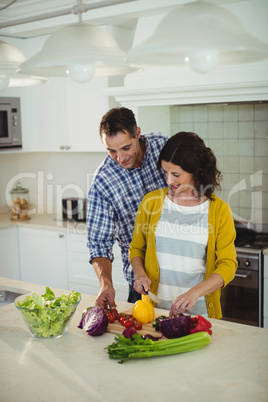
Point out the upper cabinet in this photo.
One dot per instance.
(65, 116)
(85, 106)
(62, 115)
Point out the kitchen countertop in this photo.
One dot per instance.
(51, 222)
(76, 367)
(43, 221)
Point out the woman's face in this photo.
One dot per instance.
(178, 180)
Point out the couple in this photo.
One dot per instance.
(155, 196)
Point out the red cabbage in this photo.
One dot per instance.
(153, 338)
(128, 332)
(94, 321)
(175, 327)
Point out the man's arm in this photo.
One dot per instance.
(103, 269)
(100, 226)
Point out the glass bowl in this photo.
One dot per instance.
(47, 322)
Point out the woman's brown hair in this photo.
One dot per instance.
(188, 150)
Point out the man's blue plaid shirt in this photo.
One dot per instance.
(114, 198)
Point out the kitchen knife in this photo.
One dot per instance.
(153, 297)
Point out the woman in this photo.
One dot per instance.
(183, 240)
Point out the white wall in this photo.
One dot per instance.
(48, 176)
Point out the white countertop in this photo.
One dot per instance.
(51, 222)
(76, 367)
(43, 221)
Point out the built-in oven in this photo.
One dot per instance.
(242, 298)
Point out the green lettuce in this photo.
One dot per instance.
(47, 315)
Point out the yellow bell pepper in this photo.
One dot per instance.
(143, 310)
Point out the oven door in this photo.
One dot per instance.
(240, 298)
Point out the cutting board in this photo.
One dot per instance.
(117, 328)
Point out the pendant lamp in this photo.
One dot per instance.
(79, 50)
(202, 35)
(10, 61)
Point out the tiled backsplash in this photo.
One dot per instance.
(238, 135)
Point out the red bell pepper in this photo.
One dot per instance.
(200, 324)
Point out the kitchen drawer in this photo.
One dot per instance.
(80, 270)
(92, 289)
(77, 243)
(81, 274)
(82, 277)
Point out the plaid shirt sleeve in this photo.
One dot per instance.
(101, 226)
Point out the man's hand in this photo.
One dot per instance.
(106, 298)
(103, 269)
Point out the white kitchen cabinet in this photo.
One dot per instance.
(85, 105)
(9, 254)
(265, 293)
(43, 257)
(81, 274)
(65, 116)
(46, 116)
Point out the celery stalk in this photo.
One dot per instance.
(137, 347)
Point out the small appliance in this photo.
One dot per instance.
(74, 209)
(10, 123)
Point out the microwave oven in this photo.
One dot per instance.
(10, 123)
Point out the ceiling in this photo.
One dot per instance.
(28, 18)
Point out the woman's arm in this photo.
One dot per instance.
(188, 299)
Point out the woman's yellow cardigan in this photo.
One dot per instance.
(221, 254)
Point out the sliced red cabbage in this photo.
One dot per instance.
(94, 321)
(128, 332)
(175, 327)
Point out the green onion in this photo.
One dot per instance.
(137, 347)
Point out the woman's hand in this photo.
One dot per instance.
(183, 303)
(142, 284)
(187, 300)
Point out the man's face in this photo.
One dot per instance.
(124, 149)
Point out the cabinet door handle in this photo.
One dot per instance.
(67, 147)
(247, 275)
(62, 147)
(61, 235)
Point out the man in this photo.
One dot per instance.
(124, 177)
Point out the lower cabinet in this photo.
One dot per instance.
(55, 259)
(9, 254)
(81, 274)
(43, 257)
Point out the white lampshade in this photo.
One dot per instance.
(203, 35)
(10, 61)
(79, 49)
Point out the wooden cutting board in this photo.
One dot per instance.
(117, 328)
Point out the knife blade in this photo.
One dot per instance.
(153, 297)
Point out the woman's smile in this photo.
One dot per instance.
(178, 179)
